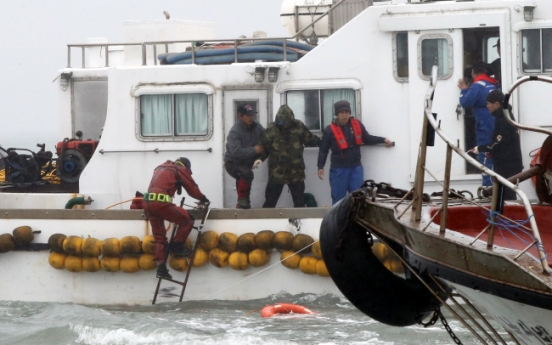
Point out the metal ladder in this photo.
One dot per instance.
(206, 211)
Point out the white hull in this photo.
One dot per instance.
(29, 277)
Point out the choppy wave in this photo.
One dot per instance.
(208, 322)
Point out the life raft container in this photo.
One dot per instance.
(284, 308)
(363, 279)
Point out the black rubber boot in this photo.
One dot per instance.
(177, 248)
(163, 272)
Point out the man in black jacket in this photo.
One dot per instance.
(344, 136)
(243, 152)
(505, 148)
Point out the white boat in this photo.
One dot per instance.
(380, 60)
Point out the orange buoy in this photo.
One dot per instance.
(284, 308)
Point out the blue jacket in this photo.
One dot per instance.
(475, 97)
(350, 157)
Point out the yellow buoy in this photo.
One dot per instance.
(283, 240)
(56, 242)
(72, 245)
(201, 257)
(6, 243)
(321, 269)
(129, 264)
(110, 264)
(380, 250)
(91, 264)
(246, 242)
(208, 240)
(238, 261)
(316, 250)
(218, 257)
(290, 260)
(265, 239)
(258, 257)
(188, 243)
(394, 265)
(130, 245)
(111, 247)
(178, 263)
(148, 244)
(57, 260)
(228, 242)
(308, 264)
(302, 243)
(23, 235)
(147, 262)
(91, 247)
(73, 263)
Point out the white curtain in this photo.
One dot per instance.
(156, 114)
(191, 114)
(329, 97)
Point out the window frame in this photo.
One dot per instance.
(396, 58)
(173, 90)
(450, 56)
(319, 132)
(520, 52)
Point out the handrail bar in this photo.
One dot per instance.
(429, 117)
(233, 40)
(507, 96)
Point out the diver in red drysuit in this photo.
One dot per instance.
(167, 179)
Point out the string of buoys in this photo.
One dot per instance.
(130, 254)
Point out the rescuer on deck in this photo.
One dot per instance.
(167, 179)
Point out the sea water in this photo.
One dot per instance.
(211, 322)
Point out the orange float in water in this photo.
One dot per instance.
(284, 308)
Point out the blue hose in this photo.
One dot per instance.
(243, 57)
(173, 57)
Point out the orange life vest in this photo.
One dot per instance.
(340, 138)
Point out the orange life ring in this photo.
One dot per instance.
(284, 308)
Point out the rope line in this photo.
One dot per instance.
(257, 273)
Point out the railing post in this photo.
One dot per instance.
(284, 46)
(106, 55)
(446, 184)
(155, 54)
(492, 217)
(83, 62)
(68, 56)
(420, 175)
(193, 52)
(235, 51)
(143, 54)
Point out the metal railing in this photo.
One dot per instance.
(417, 191)
(154, 44)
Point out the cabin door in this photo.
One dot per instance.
(259, 100)
(442, 48)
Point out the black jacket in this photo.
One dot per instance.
(505, 148)
(240, 144)
(350, 157)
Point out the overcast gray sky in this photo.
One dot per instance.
(34, 35)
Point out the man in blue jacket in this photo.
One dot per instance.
(475, 97)
(344, 136)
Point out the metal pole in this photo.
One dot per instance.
(444, 205)
(68, 57)
(143, 54)
(83, 62)
(193, 53)
(235, 51)
(155, 54)
(106, 55)
(494, 206)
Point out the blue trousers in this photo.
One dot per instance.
(343, 180)
(486, 179)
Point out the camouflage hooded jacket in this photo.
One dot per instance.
(284, 141)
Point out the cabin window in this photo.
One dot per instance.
(400, 56)
(174, 115)
(536, 51)
(315, 107)
(435, 50)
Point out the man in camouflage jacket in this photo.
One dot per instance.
(285, 140)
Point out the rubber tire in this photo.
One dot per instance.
(363, 279)
(79, 160)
